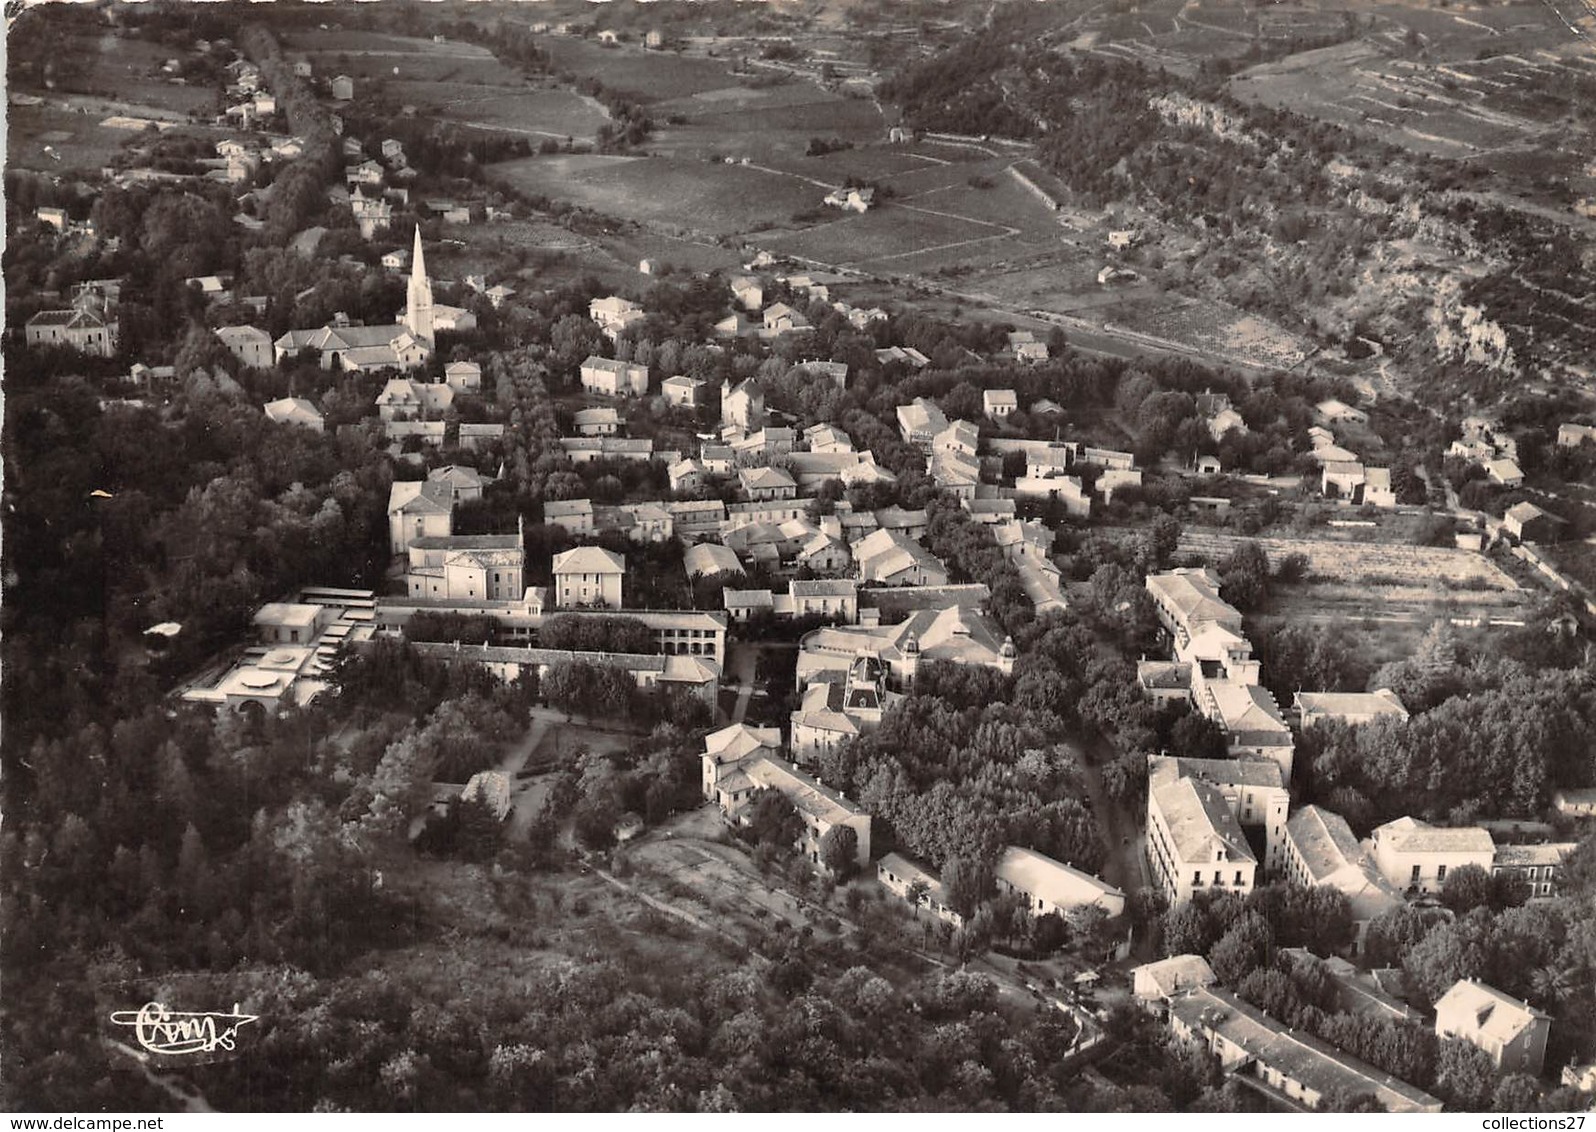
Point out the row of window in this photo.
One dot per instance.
(1219, 878)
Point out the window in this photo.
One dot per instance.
(1197, 878)
(1440, 873)
(1238, 877)
(1219, 877)
(1546, 890)
(1414, 879)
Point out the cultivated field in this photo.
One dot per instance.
(369, 54)
(688, 195)
(651, 76)
(1490, 81)
(1379, 582)
(517, 109)
(1346, 560)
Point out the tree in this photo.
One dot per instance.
(839, 851)
(1467, 888)
(1244, 576)
(771, 819)
(1465, 1077)
(1245, 948)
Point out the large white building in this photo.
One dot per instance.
(467, 568)
(1291, 1063)
(1254, 789)
(1512, 1033)
(1415, 856)
(739, 761)
(1320, 849)
(589, 576)
(1194, 842)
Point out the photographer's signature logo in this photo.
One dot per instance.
(160, 1029)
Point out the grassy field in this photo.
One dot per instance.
(546, 113)
(876, 238)
(690, 195)
(653, 76)
(84, 145)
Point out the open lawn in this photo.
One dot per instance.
(689, 195)
(1351, 581)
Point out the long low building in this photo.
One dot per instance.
(695, 674)
(1301, 1069)
(681, 632)
(900, 876)
(1048, 886)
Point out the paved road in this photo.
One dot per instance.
(741, 664)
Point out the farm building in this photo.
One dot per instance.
(1528, 523)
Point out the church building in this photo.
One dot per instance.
(407, 344)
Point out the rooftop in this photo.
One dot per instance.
(1409, 835)
(1200, 823)
(589, 560)
(1194, 596)
(1297, 1056)
(1348, 704)
(1218, 772)
(1496, 1016)
(1177, 973)
(1324, 840)
(1059, 884)
(809, 795)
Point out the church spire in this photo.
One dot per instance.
(418, 298)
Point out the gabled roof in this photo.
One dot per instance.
(765, 479)
(1295, 1054)
(1497, 1018)
(1194, 595)
(292, 409)
(740, 740)
(1324, 841)
(426, 497)
(1200, 822)
(1218, 772)
(589, 560)
(1177, 973)
(710, 558)
(1247, 709)
(823, 587)
(1059, 884)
